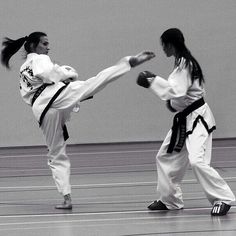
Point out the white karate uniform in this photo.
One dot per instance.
(171, 167)
(39, 69)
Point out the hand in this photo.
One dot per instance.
(70, 73)
(145, 79)
(69, 68)
(141, 58)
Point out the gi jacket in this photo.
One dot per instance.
(181, 92)
(39, 69)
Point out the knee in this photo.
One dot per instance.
(159, 157)
(163, 156)
(162, 163)
(195, 162)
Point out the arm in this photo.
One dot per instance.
(44, 69)
(176, 85)
(172, 88)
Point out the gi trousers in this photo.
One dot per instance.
(58, 161)
(171, 168)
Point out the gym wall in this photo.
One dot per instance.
(92, 35)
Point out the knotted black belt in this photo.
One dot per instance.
(38, 92)
(179, 126)
(36, 95)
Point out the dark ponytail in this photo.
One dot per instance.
(10, 46)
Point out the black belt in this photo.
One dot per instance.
(36, 95)
(65, 132)
(38, 92)
(179, 126)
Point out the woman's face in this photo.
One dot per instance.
(168, 49)
(43, 46)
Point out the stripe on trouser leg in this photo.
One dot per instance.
(219, 208)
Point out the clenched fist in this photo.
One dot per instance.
(144, 79)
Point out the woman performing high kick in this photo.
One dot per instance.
(53, 92)
(190, 139)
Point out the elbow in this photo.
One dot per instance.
(180, 93)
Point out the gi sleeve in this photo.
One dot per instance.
(49, 72)
(42, 67)
(175, 86)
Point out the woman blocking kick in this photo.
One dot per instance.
(53, 92)
(190, 139)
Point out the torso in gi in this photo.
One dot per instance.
(181, 92)
(38, 70)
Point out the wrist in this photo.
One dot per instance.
(133, 61)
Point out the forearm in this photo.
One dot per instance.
(162, 88)
(165, 89)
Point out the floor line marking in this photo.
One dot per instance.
(95, 222)
(101, 185)
(96, 201)
(105, 213)
(81, 153)
(112, 224)
(96, 153)
(15, 170)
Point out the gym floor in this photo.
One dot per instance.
(112, 185)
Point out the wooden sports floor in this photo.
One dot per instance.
(112, 186)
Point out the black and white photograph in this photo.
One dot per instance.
(118, 118)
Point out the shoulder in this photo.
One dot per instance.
(41, 60)
(183, 64)
(41, 57)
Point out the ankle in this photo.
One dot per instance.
(67, 197)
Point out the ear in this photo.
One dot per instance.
(169, 46)
(32, 47)
(171, 49)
